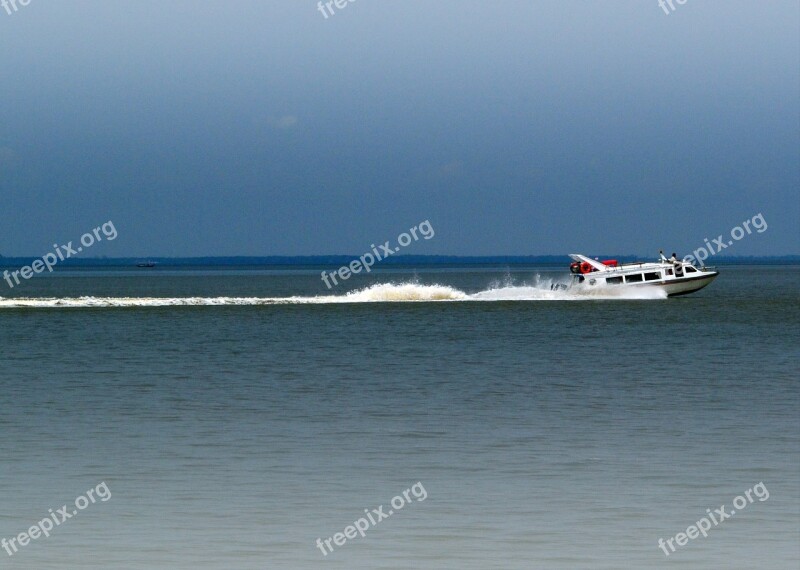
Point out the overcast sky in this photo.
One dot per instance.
(515, 127)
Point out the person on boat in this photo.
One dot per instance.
(676, 263)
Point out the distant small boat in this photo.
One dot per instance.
(146, 264)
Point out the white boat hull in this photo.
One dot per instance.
(683, 286)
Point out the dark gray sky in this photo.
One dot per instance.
(515, 127)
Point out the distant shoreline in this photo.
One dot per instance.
(398, 261)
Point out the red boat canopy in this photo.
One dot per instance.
(610, 262)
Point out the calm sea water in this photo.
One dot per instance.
(548, 431)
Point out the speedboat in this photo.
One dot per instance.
(674, 276)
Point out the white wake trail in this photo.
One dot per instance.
(541, 290)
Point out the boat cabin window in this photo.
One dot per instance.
(652, 276)
(669, 271)
(690, 269)
(614, 280)
(635, 278)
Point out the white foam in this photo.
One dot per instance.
(390, 292)
(577, 293)
(540, 290)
